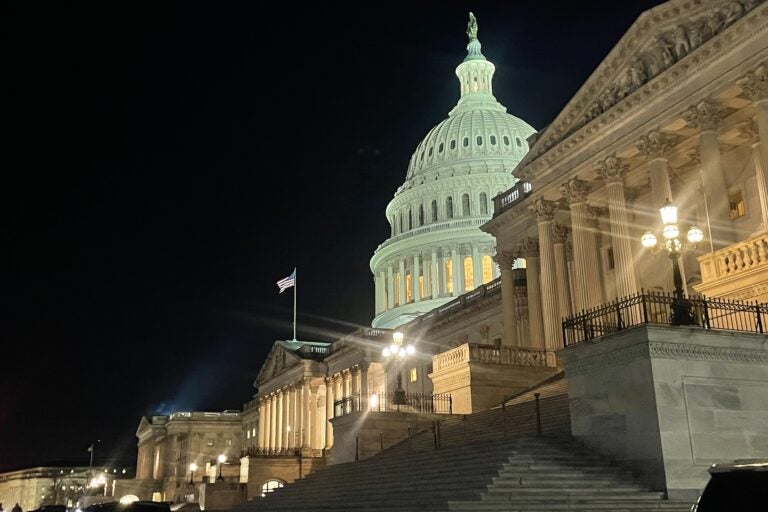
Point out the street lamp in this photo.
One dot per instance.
(681, 308)
(221, 460)
(192, 469)
(397, 352)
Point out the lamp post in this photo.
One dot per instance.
(192, 469)
(681, 308)
(221, 459)
(397, 352)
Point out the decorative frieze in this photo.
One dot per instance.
(705, 353)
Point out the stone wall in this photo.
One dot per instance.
(284, 469)
(670, 401)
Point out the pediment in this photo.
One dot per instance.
(144, 424)
(278, 359)
(656, 42)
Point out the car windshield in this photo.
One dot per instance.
(735, 491)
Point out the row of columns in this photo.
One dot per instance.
(288, 418)
(548, 288)
(432, 268)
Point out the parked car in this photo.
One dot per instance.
(738, 486)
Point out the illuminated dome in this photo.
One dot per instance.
(436, 250)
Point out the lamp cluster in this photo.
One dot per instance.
(671, 232)
(396, 349)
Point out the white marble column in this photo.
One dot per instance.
(477, 267)
(545, 214)
(458, 270)
(279, 419)
(612, 170)
(272, 422)
(355, 384)
(560, 237)
(292, 417)
(415, 278)
(576, 192)
(346, 377)
(307, 417)
(706, 116)
(300, 417)
(390, 288)
(287, 427)
(401, 268)
(262, 421)
(508, 300)
(378, 286)
(315, 439)
(364, 393)
(595, 288)
(435, 284)
(755, 87)
(328, 412)
(535, 319)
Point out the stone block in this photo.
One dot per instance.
(701, 420)
(677, 445)
(758, 445)
(672, 419)
(709, 448)
(668, 394)
(748, 421)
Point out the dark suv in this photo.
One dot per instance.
(735, 487)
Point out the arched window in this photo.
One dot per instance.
(479, 140)
(421, 286)
(483, 203)
(493, 140)
(401, 222)
(410, 219)
(397, 289)
(430, 151)
(506, 140)
(440, 148)
(449, 275)
(408, 288)
(469, 277)
(465, 205)
(270, 486)
(449, 207)
(434, 210)
(466, 142)
(421, 215)
(487, 269)
(519, 142)
(453, 144)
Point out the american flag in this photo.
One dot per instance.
(287, 282)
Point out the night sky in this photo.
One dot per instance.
(164, 165)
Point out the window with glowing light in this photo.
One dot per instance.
(736, 200)
(421, 286)
(270, 486)
(408, 288)
(519, 263)
(468, 274)
(449, 275)
(449, 207)
(483, 203)
(487, 269)
(414, 375)
(465, 205)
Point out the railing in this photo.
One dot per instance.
(657, 308)
(511, 197)
(486, 290)
(384, 402)
(735, 259)
(492, 354)
(459, 222)
(255, 451)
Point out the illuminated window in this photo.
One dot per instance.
(468, 274)
(421, 286)
(465, 205)
(483, 203)
(408, 288)
(210, 442)
(506, 140)
(519, 263)
(228, 442)
(414, 376)
(487, 269)
(449, 207)
(434, 211)
(737, 205)
(449, 275)
(269, 486)
(397, 288)
(475, 84)
(479, 140)
(248, 434)
(493, 140)
(421, 215)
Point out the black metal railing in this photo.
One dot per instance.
(657, 308)
(385, 402)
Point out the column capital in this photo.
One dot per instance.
(612, 169)
(543, 209)
(364, 365)
(328, 379)
(504, 259)
(575, 190)
(755, 83)
(530, 247)
(560, 233)
(593, 215)
(654, 144)
(748, 129)
(705, 115)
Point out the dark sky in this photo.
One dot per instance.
(165, 164)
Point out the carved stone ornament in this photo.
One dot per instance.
(755, 84)
(706, 116)
(748, 130)
(593, 215)
(611, 169)
(504, 260)
(655, 144)
(530, 247)
(575, 190)
(560, 233)
(543, 209)
(694, 155)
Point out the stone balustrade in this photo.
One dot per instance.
(492, 354)
(735, 259)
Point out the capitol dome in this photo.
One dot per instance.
(436, 250)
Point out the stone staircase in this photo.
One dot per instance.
(529, 473)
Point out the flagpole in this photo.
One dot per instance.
(295, 285)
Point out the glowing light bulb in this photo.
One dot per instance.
(648, 240)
